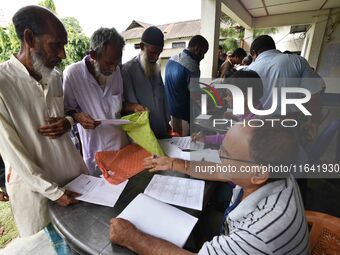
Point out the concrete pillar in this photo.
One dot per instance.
(248, 39)
(314, 40)
(210, 29)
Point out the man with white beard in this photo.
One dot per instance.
(143, 83)
(39, 157)
(93, 89)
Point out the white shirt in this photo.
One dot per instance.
(35, 164)
(83, 94)
(284, 70)
(271, 220)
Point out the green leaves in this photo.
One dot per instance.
(9, 43)
(78, 43)
(76, 48)
(234, 33)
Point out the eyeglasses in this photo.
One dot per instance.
(223, 151)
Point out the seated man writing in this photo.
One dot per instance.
(265, 215)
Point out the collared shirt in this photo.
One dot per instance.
(83, 94)
(284, 70)
(147, 92)
(270, 220)
(181, 73)
(39, 164)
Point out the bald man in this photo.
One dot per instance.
(265, 215)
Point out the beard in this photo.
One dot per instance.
(101, 78)
(150, 69)
(40, 68)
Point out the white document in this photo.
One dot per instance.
(186, 143)
(171, 150)
(96, 190)
(177, 191)
(203, 117)
(159, 219)
(113, 121)
(202, 155)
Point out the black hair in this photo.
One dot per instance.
(35, 18)
(239, 52)
(198, 41)
(247, 60)
(262, 43)
(245, 79)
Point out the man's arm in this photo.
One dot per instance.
(196, 169)
(123, 233)
(132, 107)
(3, 196)
(56, 127)
(71, 104)
(14, 152)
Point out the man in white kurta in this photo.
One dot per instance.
(36, 166)
(39, 159)
(93, 89)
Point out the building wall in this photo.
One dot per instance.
(129, 50)
(329, 59)
(286, 41)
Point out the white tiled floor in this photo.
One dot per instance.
(38, 244)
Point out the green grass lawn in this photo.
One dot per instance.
(7, 222)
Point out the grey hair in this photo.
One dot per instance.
(105, 36)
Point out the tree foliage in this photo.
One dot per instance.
(78, 42)
(49, 4)
(234, 33)
(9, 42)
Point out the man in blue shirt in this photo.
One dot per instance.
(278, 70)
(181, 73)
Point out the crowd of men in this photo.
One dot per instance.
(38, 108)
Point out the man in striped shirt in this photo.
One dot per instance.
(265, 215)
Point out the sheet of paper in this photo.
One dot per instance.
(186, 143)
(171, 150)
(113, 121)
(96, 190)
(159, 219)
(203, 117)
(177, 191)
(205, 155)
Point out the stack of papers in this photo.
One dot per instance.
(186, 143)
(113, 121)
(177, 191)
(96, 190)
(172, 151)
(159, 219)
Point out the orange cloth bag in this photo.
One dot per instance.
(118, 166)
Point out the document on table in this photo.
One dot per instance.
(96, 190)
(159, 219)
(177, 191)
(113, 121)
(203, 117)
(186, 143)
(208, 155)
(173, 151)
